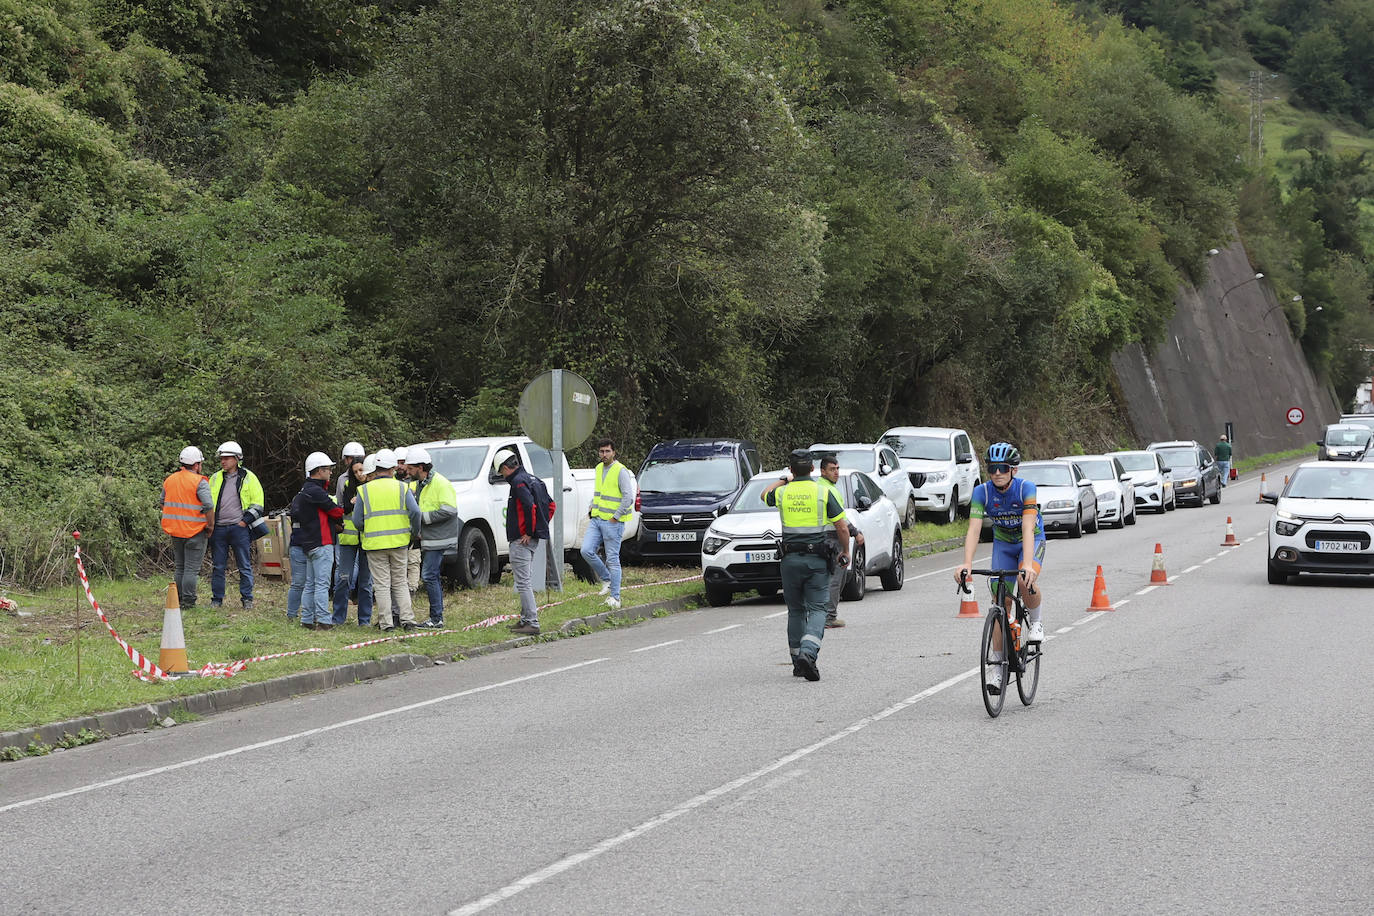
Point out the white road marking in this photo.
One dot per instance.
(978, 561)
(568, 862)
(1062, 630)
(657, 645)
(1210, 559)
(1190, 569)
(232, 752)
(732, 626)
(771, 616)
(769, 786)
(1147, 589)
(1122, 603)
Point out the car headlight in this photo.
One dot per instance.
(1286, 529)
(1187, 483)
(1059, 504)
(937, 476)
(713, 543)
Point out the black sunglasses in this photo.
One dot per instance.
(999, 469)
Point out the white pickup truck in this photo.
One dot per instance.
(482, 493)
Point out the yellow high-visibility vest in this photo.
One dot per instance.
(386, 523)
(606, 500)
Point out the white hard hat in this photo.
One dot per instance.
(190, 455)
(386, 459)
(501, 458)
(370, 464)
(229, 448)
(417, 455)
(400, 454)
(354, 450)
(317, 460)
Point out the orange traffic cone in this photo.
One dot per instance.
(968, 607)
(1157, 574)
(1230, 535)
(1100, 600)
(1260, 498)
(172, 658)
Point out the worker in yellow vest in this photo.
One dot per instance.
(439, 527)
(237, 495)
(188, 516)
(810, 508)
(387, 517)
(612, 503)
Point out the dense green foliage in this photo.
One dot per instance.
(297, 223)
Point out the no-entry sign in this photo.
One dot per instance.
(1295, 415)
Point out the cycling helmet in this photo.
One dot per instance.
(1003, 453)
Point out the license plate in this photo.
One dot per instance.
(677, 535)
(1338, 546)
(761, 556)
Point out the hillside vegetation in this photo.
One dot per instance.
(300, 222)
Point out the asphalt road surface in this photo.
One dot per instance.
(1200, 749)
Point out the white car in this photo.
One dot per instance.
(1065, 495)
(1114, 489)
(943, 467)
(1323, 521)
(880, 463)
(740, 549)
(1154, 486)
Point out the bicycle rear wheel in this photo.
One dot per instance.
(1029, 677)
(996, 622)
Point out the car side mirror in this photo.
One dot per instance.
(1271, 498)
(1319, 442)
(1084, 482)
(884, 470)
(863, 503)
(964, 459)
(1167, 470)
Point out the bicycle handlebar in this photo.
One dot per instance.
(994, 573)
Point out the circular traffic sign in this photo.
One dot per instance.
(577, 409)
(1295, 415)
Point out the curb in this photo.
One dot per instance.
(139, 718)
(921, 550)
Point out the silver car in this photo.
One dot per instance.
(1343, 442)
(1115, 491)
(1065, 494)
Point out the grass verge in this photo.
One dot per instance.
(1244, 465)
(38, 653)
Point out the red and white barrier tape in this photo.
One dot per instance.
(147, 671)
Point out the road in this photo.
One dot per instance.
(1201, 748)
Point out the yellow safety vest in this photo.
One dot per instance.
(386, 523)
(437, 492)
(606, 500)
(803, 509)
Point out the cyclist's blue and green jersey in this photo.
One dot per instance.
(1007, 508)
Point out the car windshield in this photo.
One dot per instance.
(1137, 462)
(857, 459)
(1178, 457)
(1346, 482)
(1347, 436)
(1046, 475)
(1098, 470)
(462, 462)
(930, 448)
(716, 474)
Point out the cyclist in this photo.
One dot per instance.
(1018, 540)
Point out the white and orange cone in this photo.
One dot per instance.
(1260, 498)
(1230, 535)
(172, 658)
(1100, 600)
(968, 607)
(1157, 574)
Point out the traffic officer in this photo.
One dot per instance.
(188, 515)
(809, 508)
(234, 504)
(830, 473)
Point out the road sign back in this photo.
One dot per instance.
(579, 409)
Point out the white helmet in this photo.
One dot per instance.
(190, 455)
(230, 448)
(501, 458)
(370, 465)
(353, 450)
(386, 459)
(400, 454)
(417, 455)
(317, 460)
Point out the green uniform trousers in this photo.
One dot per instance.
(806, 587)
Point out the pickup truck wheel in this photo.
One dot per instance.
(717, 595)
(475, 560)
(953, 512)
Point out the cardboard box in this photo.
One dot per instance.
(274, 548)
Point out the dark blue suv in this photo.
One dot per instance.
(684, 485)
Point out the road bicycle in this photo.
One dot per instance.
(1019, 657)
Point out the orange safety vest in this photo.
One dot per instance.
(182, 514)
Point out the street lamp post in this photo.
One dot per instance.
(1230, 290)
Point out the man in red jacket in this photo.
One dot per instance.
(315, 519)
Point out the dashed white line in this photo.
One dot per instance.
(1122, 603)
(234, 751)
(1190, 569)
(572, 861)
(1146, 590)
(1210, 559)
(657, 645)
(1062, 630)
(732, 626)
(771, 616)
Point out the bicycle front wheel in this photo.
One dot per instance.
(1028, 678)
(995, 626)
